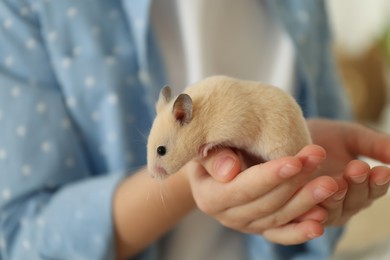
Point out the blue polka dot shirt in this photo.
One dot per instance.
(76, 100)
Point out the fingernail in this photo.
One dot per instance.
(288, 170)
(340, 194)
(359, 179)
(224, 165)
(320, 193)
(315, 159)
(313, 162)
(383, 181)
(313, 235)
(323, 221)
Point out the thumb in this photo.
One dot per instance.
(223, 165)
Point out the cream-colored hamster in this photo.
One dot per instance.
(259, 119)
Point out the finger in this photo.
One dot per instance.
(286, 181)
(294, 233)
(302, 201)
(253, 182)
(356, 173)
(332, 207)
(223, 165)
(379, 181)
(334, 204)
(202, 184)
(368, 142)
(311, 156)
(317, 213)
(263, 196)
(247, 186)
(313, 193)
(258, 180)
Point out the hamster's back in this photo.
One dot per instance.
(242, 113)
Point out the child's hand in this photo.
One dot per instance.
(359, 187)
(265, 198)
(344, 143)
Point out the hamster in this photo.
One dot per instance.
(262, 120)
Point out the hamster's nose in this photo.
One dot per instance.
(160, 172)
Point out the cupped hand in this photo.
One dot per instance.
(265, 198)
(292, 204)
(359, 184)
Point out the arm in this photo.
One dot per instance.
(159, 206)
(276, 220)
(163, 204)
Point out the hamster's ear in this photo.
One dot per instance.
(164, 98)
(182, 109)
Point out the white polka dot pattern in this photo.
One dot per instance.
(73, 118)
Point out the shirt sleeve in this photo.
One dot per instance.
(53, 205)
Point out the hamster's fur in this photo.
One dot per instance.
(260, 119)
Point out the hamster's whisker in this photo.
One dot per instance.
(163, 198)
(142, 134)
(148, 196)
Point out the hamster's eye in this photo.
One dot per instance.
(161, 150)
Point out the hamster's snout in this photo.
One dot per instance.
(159, 172)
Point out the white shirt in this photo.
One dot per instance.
(201, 38)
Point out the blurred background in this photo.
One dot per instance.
(362, 49)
